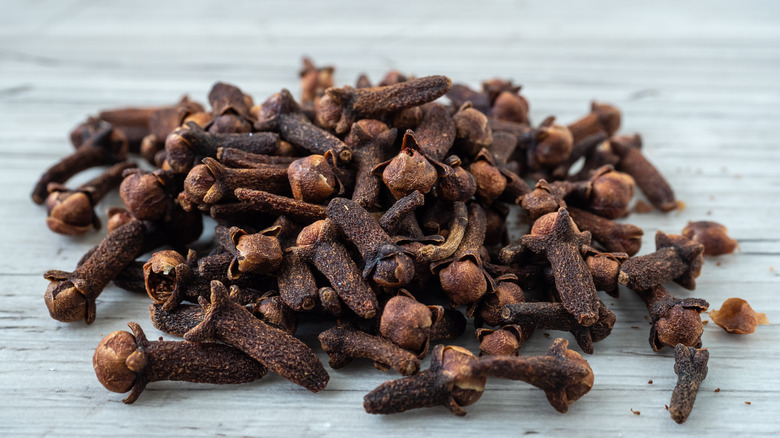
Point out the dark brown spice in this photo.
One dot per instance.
(603, 118)
(462, 276)
(370, 139)
(553, 145)
(647, 177)
(341, 107)
(473, 131)
(410, 170)
(556, 236)
(72, 212)
(504, 341)
(386, 263)
(457, 230)
(177, 321)
(393, 218)
(212, 182)
(280, 113)
(673, 320)
(232, 324)
(343, 344)
(71, 296)
(604, 268)
(553, 316)
(269, 203)
(443, 383)
(145, 194)
(614, 237)
(318, 245)
(436, 131)
(106, 146)
(562, 373)
(128, 362)
(457, 184)
(184, 146)
(676, 258)
(296, 282)
(690, 365)
(238, 159)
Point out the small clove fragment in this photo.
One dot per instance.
(736, 316)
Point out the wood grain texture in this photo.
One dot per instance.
(697, 79)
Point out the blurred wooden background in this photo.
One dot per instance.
(699, 81)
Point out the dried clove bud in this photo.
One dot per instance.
(505, 341)
(71, 296)
(562, 374)
(610, 193)
(736, 316)
(690, 365)
(341, 107)
(674, 320)
(258, 253)
(72, 212)
(388, 264)
(185, 145)
(212, 182)
(312, 179)
(436, 132)
(603, 118)
(676, 258)
(280, 113)
(552, 147)
(556, 236)
(232, 324)
(446, 382)
(614, 237)
(473, 132)
(106, 146)
(128, 362)
(343, 344)
(553, 316)
(462, 276)
(647, 177)
(410, 170)
(318, 244)
(369, 138)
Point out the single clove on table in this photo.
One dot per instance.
(369, 207)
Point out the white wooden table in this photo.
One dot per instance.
(699, 80)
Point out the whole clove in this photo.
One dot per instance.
(690, 365)
(343, 344)
(128, 362)
(72, 212)
(556, 236)
(341, 107)
(232, 324)
(71, 296)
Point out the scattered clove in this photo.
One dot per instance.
(690, 365)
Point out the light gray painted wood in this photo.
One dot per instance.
(697, 79)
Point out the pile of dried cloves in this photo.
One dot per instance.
(369, 206)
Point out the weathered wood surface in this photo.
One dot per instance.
(697, 79)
